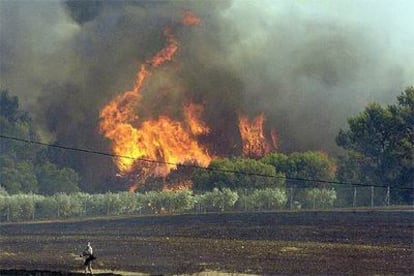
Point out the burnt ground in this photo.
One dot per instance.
(298, 242)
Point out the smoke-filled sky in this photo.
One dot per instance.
(307, 65)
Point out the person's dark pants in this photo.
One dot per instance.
(89, 259)
(88, 264)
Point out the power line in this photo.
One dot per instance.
(196, 166)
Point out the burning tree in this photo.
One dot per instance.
(152, 146)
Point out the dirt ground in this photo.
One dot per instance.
(301, 242)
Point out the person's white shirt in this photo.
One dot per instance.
(89, 249)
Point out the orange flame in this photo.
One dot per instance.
(254, 142)
(155, 146)
(168, 52)
(192, 113)
(189, 18)
(182, 186)
(163, 141)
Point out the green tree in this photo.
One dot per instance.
(18, 177)
(267, 199)
(53, 180)
(217, 200)
(380, 146)
(319, 198)
(24, 167)
(236, 174)
(184, 201)
(129, 202)
(312, 165)
(299, 167)
(9, 107)
(15, 123)
(67, 205)
(114, 203)
(47, 208)
(97, 205)
(3, 191)
(83, 200)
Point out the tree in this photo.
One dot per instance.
(18, 177)
(15, 123)
(53, 180)
(237, 174)
(129, 202)
(47, 208)
(182, 201)
(67, 205)
(380, 146)
(319, 198)
(312, 165)
(97, 205)
(266, 199)
(217, 200)
(24, 167)
(9, 107)
(3, 191)
(301, 166)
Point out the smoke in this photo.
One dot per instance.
(307, 65)
(310, 68)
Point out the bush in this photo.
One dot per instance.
(262, 199)
(217, 200)
(319, 198)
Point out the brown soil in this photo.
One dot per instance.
(319, 242)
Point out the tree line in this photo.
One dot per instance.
(24, 207)
(378, 150)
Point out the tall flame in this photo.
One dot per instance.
(167, 53)
(164, 142)
(254, 141)
(156, 145)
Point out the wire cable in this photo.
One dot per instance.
(88, 151)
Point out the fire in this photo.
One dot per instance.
(153, 146)
(182, 186)
(190, 18)
(117, 120)
(192, 113)
(164, 142)
(167, 53)
(254, 141)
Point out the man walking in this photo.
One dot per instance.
(89, 257)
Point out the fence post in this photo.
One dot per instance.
(245, 200)
(34, 206)
(372, 196)
(84, 210)
(314, 201)
(291, 197)
(387, 198)
(355, 197)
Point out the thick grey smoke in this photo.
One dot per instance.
(307, 65)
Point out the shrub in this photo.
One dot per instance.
(319, 198)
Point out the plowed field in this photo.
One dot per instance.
(312, 242)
